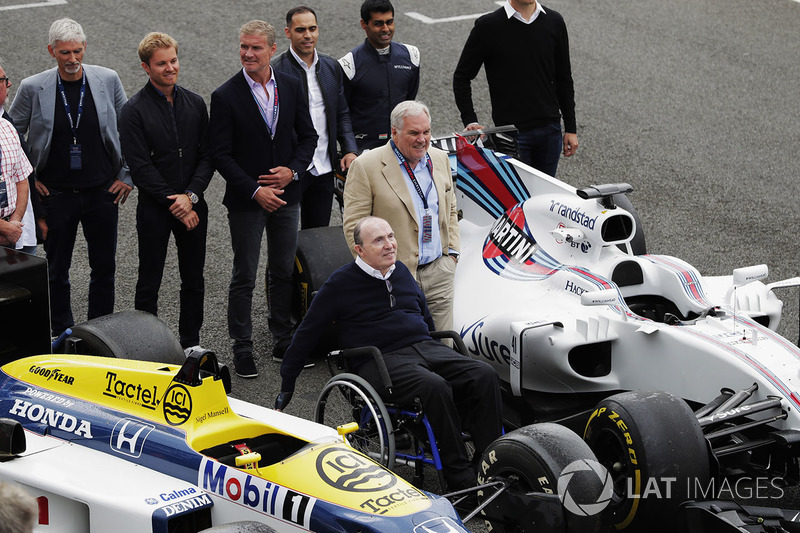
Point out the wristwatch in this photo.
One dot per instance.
(192, 197)
(295, 177)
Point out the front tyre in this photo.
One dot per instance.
(543, 458)
(653, 446)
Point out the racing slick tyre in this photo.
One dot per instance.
(320, 251)
(638, 245)
(654, 449)
(543, 458)
(347, 398)
(134, 335)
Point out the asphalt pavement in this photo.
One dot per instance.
(695, 104)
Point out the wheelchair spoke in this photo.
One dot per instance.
(348, 398)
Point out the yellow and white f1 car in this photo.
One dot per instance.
(117, 445)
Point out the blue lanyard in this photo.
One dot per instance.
(73, 125)
(274, 108)
(410, 172)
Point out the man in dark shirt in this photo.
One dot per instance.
(70, 116)
(375, 301)
(525, 51)
(164, 133)
(379, 74)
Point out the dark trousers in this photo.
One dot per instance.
(457, 393)
(154, 224)
(317, 193)
(541, 147)
(247, 229)
(97, 214)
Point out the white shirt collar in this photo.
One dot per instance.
(253, 83)
(302, 62)
(374, 272)
(511, 12)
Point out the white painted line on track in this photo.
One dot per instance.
(428, 20)
(34, 4)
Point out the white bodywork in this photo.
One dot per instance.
(533, 255)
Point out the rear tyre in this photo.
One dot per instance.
(136, 335)
(653, 446)
(320, 251)
(349, 398)
(535, 457)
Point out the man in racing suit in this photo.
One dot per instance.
(375, 301)
(379, 74)
(164, 134)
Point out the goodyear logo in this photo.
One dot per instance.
(52, 374)
(177, 405)
(344, 470)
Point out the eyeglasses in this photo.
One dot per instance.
(6, 80)
(392, 301)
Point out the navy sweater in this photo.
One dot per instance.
(360, 306)
(527, 68)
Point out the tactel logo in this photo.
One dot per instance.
(568, 487)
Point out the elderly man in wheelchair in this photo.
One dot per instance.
(375, 301)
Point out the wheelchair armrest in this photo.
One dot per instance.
(458, 342)
(376, 355)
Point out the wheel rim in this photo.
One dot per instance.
(343, 402)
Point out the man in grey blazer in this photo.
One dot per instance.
(70, 116)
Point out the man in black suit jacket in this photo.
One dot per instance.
(262, 141)
(322, 83)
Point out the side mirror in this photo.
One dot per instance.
(12, 438)
(745, 275)
(604, 297)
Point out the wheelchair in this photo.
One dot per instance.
(391, 434)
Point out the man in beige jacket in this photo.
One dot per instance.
(408, 183)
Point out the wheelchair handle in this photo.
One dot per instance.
(458, 342)
(377, 356)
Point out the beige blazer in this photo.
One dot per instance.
(376, 186)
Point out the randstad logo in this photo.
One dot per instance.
(580, 474)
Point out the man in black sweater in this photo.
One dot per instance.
(525, 51)
(376, 302)
(164, 134)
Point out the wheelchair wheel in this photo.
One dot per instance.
(349, 398)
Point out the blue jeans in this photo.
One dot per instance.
(541, 147)
(247, 228)
(97, 214)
